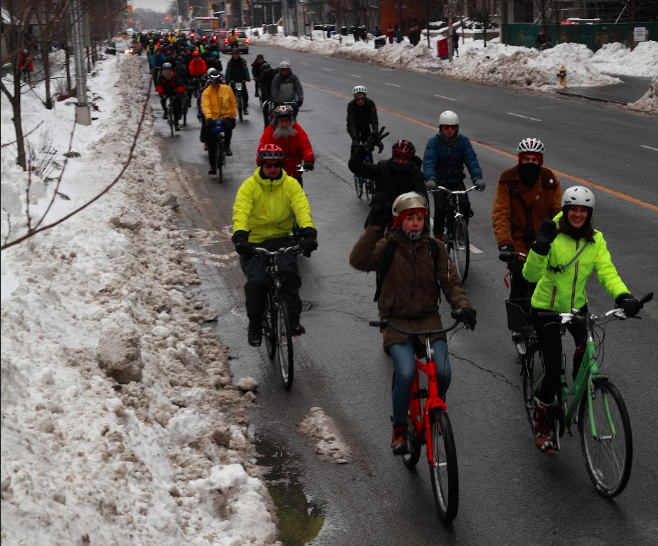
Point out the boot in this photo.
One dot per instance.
(296, 329)
(255, 335)
(228, 151)
(543, 416)
(399, 441)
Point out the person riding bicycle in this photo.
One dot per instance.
(256, 71)
(446, 154)
(265, 82)
(168, 85)
(526, 195)
(263, 217)
(238, 71)
(197, 66)
(560, 261)
(218, 102)
(286, 133)
(362, 118)
(409, 297)
(399, 174)
(233, 40)
(286, 87)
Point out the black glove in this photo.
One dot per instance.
(629, 304)
(374, 139)
(466, 315)
(209, 122)
(479, 184)
(545, 235)
(380, 148)
(355, 141)
(309, 241)
(308, 166)
(431, 183)
(299, 103)
(506, 253)
(242, 245)
(378, 209)
(229, 123)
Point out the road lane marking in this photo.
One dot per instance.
(649, 147)
(624, 196)
(327, 69)
(525, 117)
(474, 249)
(447, 98)
(355, 75)
(393, 85)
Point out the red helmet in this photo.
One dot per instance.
(196, 54)
(404, 148)
(270, 152)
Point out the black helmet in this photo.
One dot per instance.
(266, 66)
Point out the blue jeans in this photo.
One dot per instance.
(404, 361)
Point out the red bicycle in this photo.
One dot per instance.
(430, 425)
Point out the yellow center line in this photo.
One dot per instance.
(624, 196)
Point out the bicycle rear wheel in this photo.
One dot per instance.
(531, 371)
(284, 349)
(443, 469)
(609, 451)
(460, 248)
(358, 186)
(269, 326)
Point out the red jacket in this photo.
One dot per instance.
(26, 59)
(197, 66)
(297, 149)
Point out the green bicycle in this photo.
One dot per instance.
(593, 404)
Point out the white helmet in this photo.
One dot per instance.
(284, 64)
(409, 200)
(359, 89)
(448, 118)
(533, 145)
(578, 195)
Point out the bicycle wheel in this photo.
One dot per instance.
(410, 459)
(531, 371)
(184, 111)
(609, 453)
(240, 107)
(284, 349)
(269, 327)
(358, 186)
(219, 158)
(370, 190)
(170, 118)
(460, 249)
(443, 469)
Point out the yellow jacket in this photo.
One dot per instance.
(218, 103)
(264, 207)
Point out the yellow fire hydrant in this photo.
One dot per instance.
(562, 74)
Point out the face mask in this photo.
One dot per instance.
(413, 235)
(528, 173)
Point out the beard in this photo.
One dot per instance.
(284, 132)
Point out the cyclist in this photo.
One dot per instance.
(286, 133)
(197, 66)
(256, 71)
(263, 216)
(362, 118)
(233, 40)
(238, 71)
(409, 298)
(169, 84)
(214, 61)
(526, 194)
(560, 261)
(286, 87)
(218, 102)
(443, 164)
(399, 174)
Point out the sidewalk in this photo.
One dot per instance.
(631, 90)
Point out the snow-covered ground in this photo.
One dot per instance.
(121, 421)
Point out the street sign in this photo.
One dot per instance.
(639, 34)
(450, 10)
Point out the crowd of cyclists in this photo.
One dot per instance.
(550, 232)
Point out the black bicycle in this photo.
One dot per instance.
(361, 183)
(276, 321)
(171, 114)
(239, 97)
(220, 150)
(456, 229)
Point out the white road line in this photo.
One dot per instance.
(327, 69)
(648, 147)
(393, 85)
(447, 98)
(355, 75)
(475, 250)
(525, 117)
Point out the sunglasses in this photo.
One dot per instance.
(360, 99)
(276, 165)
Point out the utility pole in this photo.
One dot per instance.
(82, 109)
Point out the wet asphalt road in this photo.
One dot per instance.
(509, 492)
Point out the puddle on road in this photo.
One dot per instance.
(300, 521)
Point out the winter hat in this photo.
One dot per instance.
(540, 157)
(397, 220)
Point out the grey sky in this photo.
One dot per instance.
(155, 5)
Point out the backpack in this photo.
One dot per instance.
(389, 254)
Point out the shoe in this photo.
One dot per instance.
(206, 146)
(255, 335)
(543, 416)
(246, 112)
(164, 116)
(228, 151)
(177, 128)
(212, 171)
(399, 441)
(517, 336)
(296, 329)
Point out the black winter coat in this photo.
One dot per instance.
(362, 120)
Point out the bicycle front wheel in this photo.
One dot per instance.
(358, 186)
(269, 327)
(370, 191)
(606, 438)
(240, 106)
(284, 349)
(219, 158)
(531, 371)
(184, 111)
(443, 467)
(170, 119)
(460, 248)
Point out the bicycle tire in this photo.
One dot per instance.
(443, 469)
(460, 248)
(184, 108)
(609, 457)
(370, 191)
(240, 106)
(219, 158)
(358, 186)
(269, 327)
(531, 370)
(410, 459)
(284, 349)
(170, 118)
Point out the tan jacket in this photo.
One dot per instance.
(410, 294)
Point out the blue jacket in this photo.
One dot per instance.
(446, 164)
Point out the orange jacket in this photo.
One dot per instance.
(518, 210)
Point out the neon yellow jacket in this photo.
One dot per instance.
(264, 207)
(563, 291)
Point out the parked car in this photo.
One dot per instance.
(243, 42)
(118, 47)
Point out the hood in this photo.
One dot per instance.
(266, 181)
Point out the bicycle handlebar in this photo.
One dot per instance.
(578, 316)
(295, 249)
(455, 192)
(386, 324)
(511, 256)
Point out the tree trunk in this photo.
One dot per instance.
(18, 122)
(69, 89)
(45, 60)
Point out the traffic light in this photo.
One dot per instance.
(130, 9)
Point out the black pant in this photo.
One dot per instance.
(211, 138)
(255, 289)
(521, 291)
(177, 105)
(550, 341)
(441, 205)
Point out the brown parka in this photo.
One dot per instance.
(518, 210)
(410, 295)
